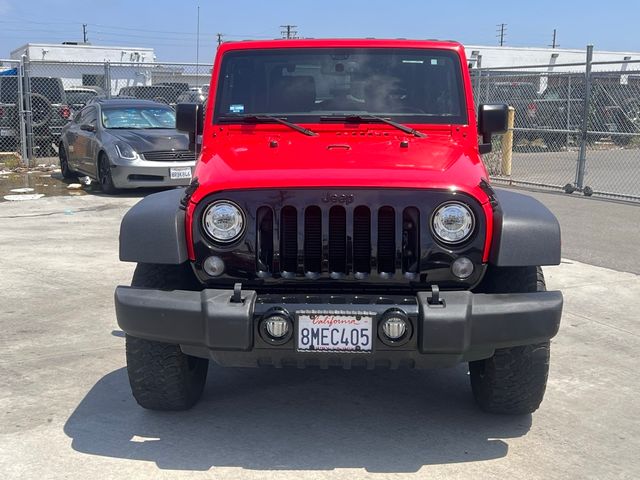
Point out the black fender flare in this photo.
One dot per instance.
(525, 232)
(153, 230)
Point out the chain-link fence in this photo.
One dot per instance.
(555, 144)
(576, 126)
(37, 98)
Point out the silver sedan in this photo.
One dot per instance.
(126, 143)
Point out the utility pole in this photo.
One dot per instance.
(84, 33)
(289, 32)
(502, 30)
(553, 43)
(219, 39)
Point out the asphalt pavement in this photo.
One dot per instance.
(66, 410)
(608, 168)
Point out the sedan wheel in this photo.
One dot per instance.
(106, 181)
(64, 163)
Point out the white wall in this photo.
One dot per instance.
(83, 53)
(493, 57)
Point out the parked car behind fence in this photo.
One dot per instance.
(49, 112)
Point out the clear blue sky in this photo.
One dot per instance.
(170, 26)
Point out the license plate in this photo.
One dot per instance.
(6, 132)
(180, 172)
(330, 332)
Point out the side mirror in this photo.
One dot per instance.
(88, 127)
(190, 119)
(491, 119)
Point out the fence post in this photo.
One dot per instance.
(107, 78)
(21, 113)
(28, 109)
(582, 158)
(507, 143)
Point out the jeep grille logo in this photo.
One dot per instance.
(343, 198)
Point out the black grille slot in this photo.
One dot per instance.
(170, 156)
(386, 240)
(313, 240)
(410, 240)
(288, 240)
(338, 240)
(362, 240)
(264, 239)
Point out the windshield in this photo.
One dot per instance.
(406, 85)
(138, 117)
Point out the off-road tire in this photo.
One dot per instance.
(513, 380)
(161, 376)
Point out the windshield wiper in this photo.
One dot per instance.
(267, 119)
(358, 118)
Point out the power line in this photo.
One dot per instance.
(502, 30)
(289, 32)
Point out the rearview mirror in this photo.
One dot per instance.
(491, 119)
(88, 127)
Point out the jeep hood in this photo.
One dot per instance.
(337, 160)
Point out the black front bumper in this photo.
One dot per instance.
(464, 326)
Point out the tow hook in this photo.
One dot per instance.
(434, 300)
(237, 294)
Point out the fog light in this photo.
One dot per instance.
(394, 327)
(213, 266)
(462, 267)
(277, 326)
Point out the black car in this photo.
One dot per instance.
(158, 93)
(521, 96)
(49, 107)
(613, 111)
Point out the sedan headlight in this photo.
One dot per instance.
(223, 221)
(126, 151)
(452, 222)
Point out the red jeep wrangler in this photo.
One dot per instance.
(340, 215)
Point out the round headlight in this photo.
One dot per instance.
(453, 222)
(223, 221)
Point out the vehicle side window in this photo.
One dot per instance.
(78, 118)
(90, 116)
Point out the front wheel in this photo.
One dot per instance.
(513, 380)
(104, 176)
(161, 376)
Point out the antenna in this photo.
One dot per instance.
(220, 35)
(289, 32)
(553, 43)
(198, 48)
(195, 147)
(502, 30)
(84, 33)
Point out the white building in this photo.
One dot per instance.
(496, 57)
(84, 64)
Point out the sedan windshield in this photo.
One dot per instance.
(310, 84)
(138, 117)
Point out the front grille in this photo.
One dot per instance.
(338, 240)
(170, 156)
